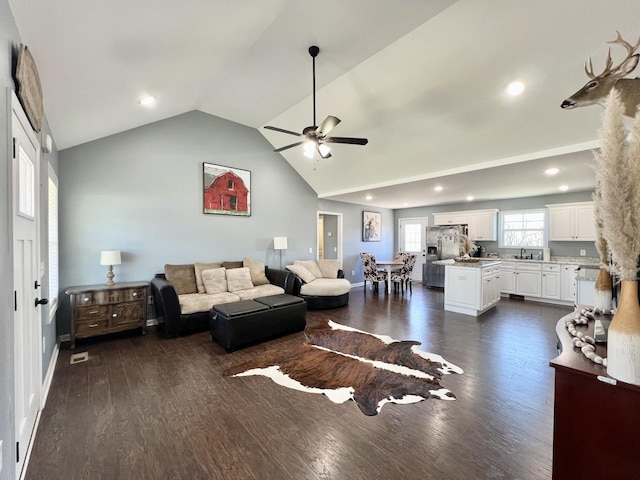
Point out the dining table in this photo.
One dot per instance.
(389, 266)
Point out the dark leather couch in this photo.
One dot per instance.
(172, 323)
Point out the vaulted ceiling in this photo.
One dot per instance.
(423, 81)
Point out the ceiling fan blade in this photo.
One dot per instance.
(349, 140)
(288, 146)
(327, 125)
(269, 127)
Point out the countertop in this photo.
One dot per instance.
(582, 262)
(483, 262)
(589, 267)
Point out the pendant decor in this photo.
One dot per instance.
(617, 211)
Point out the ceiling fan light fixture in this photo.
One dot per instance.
(309, 149)
(324, 150)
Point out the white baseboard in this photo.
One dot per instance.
(152, 322)
(49, 376)
(359, 284)
(64, 338)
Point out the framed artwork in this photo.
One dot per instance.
(226, 190)
(371, 226)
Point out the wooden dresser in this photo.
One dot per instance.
(103, 309)
(596, 419)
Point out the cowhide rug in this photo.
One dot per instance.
(348, 364)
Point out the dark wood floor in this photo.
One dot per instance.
(144, 407)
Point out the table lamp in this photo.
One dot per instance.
(111, 258)
(280, 243)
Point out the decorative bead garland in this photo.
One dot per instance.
(585, 342)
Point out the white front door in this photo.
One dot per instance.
(26, 281)
(412, 238)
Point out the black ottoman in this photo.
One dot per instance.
(249, 321)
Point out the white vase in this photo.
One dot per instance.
(623, 343)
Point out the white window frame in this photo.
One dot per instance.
(545, 229)
(53, 240)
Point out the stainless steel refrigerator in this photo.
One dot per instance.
(443, 242)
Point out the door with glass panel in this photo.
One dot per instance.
(412, 238)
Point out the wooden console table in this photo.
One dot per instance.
(103, 309)
(596, 423)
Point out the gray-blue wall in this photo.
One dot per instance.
(140, 192)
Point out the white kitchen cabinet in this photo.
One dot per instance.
(508, 277)
(490, 287)
(482, 224)
(551, 282)
(451, 218)
(528, 279)
(568, 283)
(471, 290)
(571, 222)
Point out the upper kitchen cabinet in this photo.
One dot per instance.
(571, 222)
(482, 224)
(450, 218)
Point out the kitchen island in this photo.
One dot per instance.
(471, 288)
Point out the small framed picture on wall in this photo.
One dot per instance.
(371, 226)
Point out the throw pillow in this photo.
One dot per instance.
(302, 272)
(310, 265)
(239, 279)
(329, 267)
(183, 278)
(215, 280)
(201, 267)
(256, 269)
(229, 265)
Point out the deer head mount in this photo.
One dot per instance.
(598, 87)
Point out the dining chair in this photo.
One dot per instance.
(402, 278)
(371, 272)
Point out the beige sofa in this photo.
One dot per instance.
(185, 294)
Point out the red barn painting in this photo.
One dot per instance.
(226, 190)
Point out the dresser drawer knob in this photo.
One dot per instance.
(85, 299)
(135, 294)
(115, 315)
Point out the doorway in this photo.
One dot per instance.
(25, 169)
(329, 236)
(412, 238)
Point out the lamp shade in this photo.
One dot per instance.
(279, 243)
(110, 257)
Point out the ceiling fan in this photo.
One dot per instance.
(315, 137)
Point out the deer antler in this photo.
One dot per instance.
(588, 68)
(630, 50)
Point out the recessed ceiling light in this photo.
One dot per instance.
(368, 197)
(551, 171)
(147, 101)
(438, 188)
(563, 188)
(469, 198)
(406, 204)
(515, 88)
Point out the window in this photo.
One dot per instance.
(54, 284)
(522, 229)
(230, 184)
(412, 237)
